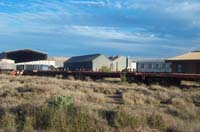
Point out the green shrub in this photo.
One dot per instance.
(20, 119)
(28, 125)
(196, 100)
(109, 115)
(78, 120)
(182, 113)
(61, 115)
(156, 121)
(70, 77)
(105, 69)
(88, 78)
(61, 102)
(123, 77)
(8, 122)
(59, 76)
(123, 120)
(48, 119)
(87, 122)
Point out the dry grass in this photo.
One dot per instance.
(145, 108)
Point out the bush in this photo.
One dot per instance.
(76, 120)
(109, 115)
(105, 69)
(87, 78)
(28, 126)
(20, 118)
(123, 120)
(156, 121)
(61, 102)
(123, 77)
(8, 122)
(59, 76)
(58, 115)
(70, 77)
(48, 119)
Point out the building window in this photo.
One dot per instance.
(112, 67)
(142, 66)
(150, 66)
(198, 68)
(156, 66)
(163, 66)
(179, 68)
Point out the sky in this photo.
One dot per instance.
(136, 28)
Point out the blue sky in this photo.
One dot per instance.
(137, 28)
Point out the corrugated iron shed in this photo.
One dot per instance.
(23, 55)
(85, 58)
(195, 55)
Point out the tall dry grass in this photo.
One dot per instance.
(144, 108)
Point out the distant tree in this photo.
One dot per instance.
(123, 77)
(105, 69)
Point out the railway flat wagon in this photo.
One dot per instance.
(148, 78)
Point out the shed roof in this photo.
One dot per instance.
(58, 58)
(7, 60)
(195, 55)
(24, 50)
(85, 58)
(151, 61)
(112, 58)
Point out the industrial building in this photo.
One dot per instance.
(119, 63)
(35, 65)
(93, 62)
(186, 63)
(6, 64)
(133, 66)
(59, 61)
(52, 63)
(24, 55)
(153, 66)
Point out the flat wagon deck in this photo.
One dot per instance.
(165, 78)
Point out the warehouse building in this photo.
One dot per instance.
(133, 66)
(59, 61)
(6, 64)
(36, 65)
(93, 62)
(186, 63)
(24, 55)
(53, 63)
(119, 63)
(153, 65)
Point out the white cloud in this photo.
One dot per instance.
(51, 17)
(118, 5)
(191, 7)
(89, 3)
(187, 11)
(2, 4)
(111, 33)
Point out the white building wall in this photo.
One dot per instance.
(133, 66)
(118, 64)
(99, 62)
(6, 64)
(35, 65)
